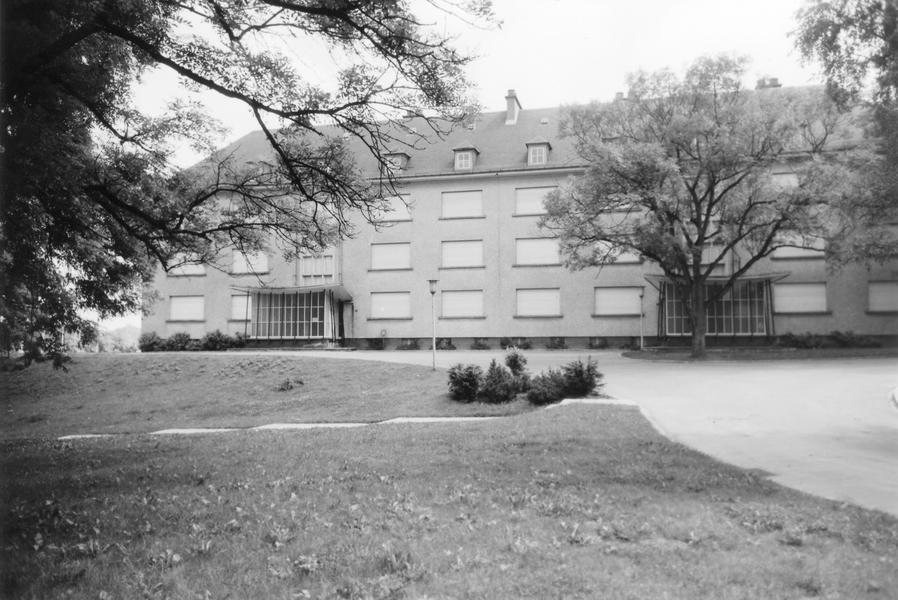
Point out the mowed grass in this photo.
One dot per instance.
(134, 393)
(573, 502)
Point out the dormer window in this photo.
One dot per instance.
(465, 155)
(538, 153)
(397, 160)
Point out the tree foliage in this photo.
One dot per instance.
(682, 172)
(91, 199)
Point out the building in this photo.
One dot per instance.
(467, 217)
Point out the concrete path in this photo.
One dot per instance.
(827, 427)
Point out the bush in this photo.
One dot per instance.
(580, 378)
(375, 343)
(547, 388)
(556, 343)
(464, 382)
(239, 340)
(480, 344)
(515, 361)
(498, 385)
(445, 344)
(408, 344)
(835, 339)
(521, 343)
(150, 342)
(194, 346)
(216, 340)
(177, 342)
(849, 339)
(598, 343)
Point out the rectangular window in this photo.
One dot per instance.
(531, 201)
(539, 303)
(464, 160)
(804, 249)
(467, 303)
(317, 270)
(799, 297)
(397, 208)
(537, 251)
(621, 256)
(187, 268)
(241, 307)
(256, 262)
(882, 296)
(537, 155)
(742, 310)
(186, 308)
(785, 180)
(467, 253)
(288, 315)
(458, 205)
(391, 305)
(391, 256)
(617, 301)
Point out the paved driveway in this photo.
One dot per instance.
(822, 426)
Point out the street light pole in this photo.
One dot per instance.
(433, 319)
(642, 320)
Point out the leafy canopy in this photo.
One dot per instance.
(91, 199)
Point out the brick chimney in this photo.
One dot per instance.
(513, 108)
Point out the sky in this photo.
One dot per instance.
(555, 52)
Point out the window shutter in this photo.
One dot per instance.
(539, 303)
(617, 301)
(398, 209)
(186, 308)
(463, 254)
(462, 303)
(391, 305)
(241, 307)
(537, 251)
(256, 262)
(390, 256)
(531, 201)
(799, 297)
(882, 296)
(462, 204)
(188, 268)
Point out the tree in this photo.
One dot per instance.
(681, 172)
(856, 42)
(91, 200)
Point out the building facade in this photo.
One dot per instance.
(467, 218)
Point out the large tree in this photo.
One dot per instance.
(91, 201)
(856, 43)
(681, 171)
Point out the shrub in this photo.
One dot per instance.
(480, 344)
(445, 344)
(408, 344)
(177, 342)
(849, 339)
(150, 342)
(375, 343)
(580, 378)
(464, 382)
(216, 340)
(547, 388)
(598, 343)
(521, 343)
(498, 385)
(239, 340)
(194, 346)
(515, 361)
(555, 343)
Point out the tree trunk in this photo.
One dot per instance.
(699, 321)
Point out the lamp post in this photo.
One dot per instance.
(433, 319)
(642, 320)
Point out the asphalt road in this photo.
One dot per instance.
(826, 427)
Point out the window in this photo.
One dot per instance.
(537, 154)
(316, 270)
(799, 297)
(186, 308)
(241, 307)
(187, 268)
(390, 256)
(458, 205)
(458, 304)
(396, 209)
(256, 262)
(537, 251)
(289, 315)
(618, 301)
(806, 249)
(464, 160)
(621, 256)
(785, 180)
(741, 311)
(397, 160)
(391, 305)
(463, 254)
(882, 296)
(531, 201)
(539, 303)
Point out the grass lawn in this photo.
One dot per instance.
(574, 502)
(117, 393)
(763, 353)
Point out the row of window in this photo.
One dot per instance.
(739, 311)
(466, 155)
(241, 264)
(469, 204)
